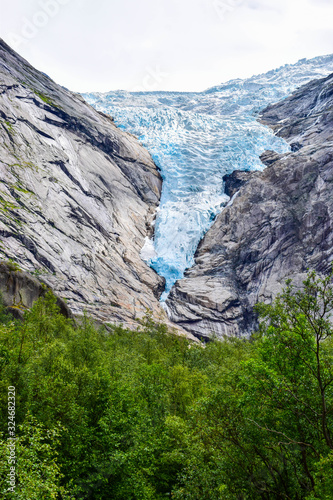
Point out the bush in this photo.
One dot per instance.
(146, 415)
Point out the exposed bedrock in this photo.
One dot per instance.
(77, 197)
(19, 290)
(278, 224)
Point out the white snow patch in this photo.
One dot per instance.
(148, 251)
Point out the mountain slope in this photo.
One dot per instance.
(278, 224)
(198, 137)
(77, 196)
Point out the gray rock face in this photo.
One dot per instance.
(19, 290)
(77, 196)
(234, 181)
(279, 224)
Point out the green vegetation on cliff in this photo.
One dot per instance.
(121, 415)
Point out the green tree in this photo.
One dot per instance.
(267, 425)
(37, 471)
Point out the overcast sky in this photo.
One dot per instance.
(104, 45)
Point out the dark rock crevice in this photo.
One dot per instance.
(19, 290)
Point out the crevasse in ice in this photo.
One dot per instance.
(196, 138)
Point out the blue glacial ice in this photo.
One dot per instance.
(195, 139)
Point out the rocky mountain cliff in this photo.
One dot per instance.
(77, 197)
(278, 223)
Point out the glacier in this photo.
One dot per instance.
(195, 138)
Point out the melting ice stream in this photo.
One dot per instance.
(196, 138)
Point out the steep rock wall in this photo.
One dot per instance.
(77, 196)
(278, 224)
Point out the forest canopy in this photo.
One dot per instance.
(110, 413)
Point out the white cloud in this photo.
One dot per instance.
(86, 45)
